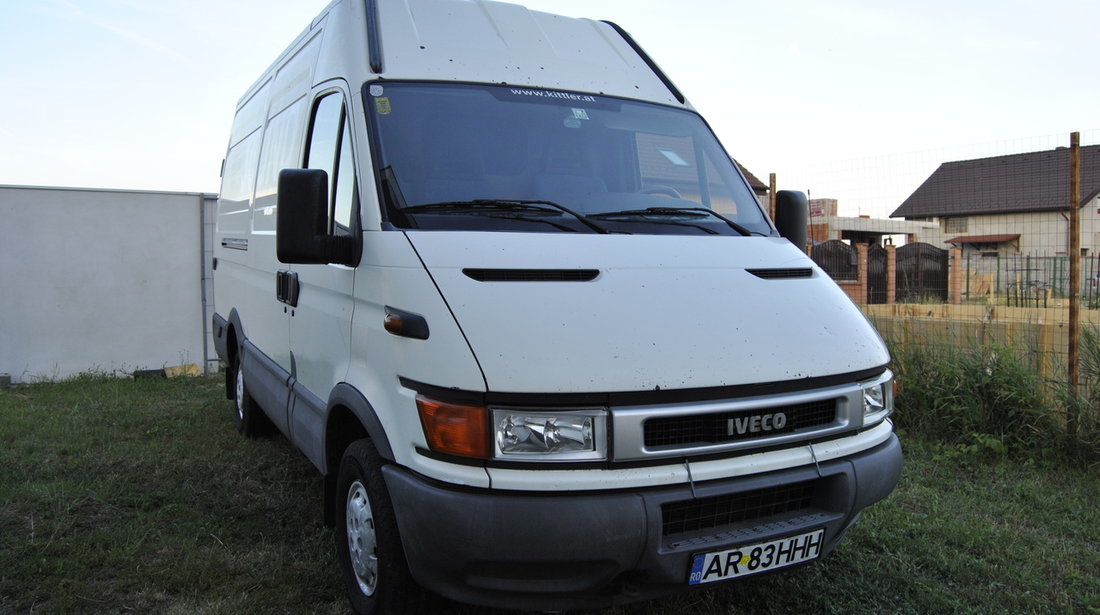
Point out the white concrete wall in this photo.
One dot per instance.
(101, 280)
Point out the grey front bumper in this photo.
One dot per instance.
(569, 550)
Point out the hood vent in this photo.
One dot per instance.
(532, 275)
(782, 274)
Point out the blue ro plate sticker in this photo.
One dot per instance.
(751, 559)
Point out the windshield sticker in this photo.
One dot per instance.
(382, 105)
(376, 90)
(553, 94)
(572, 101)
(574, 120)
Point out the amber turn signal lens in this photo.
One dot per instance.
(454, 429)
(394, 323)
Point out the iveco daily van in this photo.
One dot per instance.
(500, 283)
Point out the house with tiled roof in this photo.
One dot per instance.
(759, 188)
(1008, 205)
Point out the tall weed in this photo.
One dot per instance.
(1082, 407)
(954, 393)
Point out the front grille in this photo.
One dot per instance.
(722, 427)
(726, 510)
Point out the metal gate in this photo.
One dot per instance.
(876, 274)
(837, 258)
(921, 273)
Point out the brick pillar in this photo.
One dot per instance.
(891, 274)
(955, 275)
(819, 233)
(861, 257)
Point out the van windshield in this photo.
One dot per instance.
(505, 158)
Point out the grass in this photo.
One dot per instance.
(122, 496)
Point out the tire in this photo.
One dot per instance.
(372, 561)
(248, 417)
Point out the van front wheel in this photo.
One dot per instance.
(367, 543)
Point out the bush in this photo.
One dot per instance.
(967, 394)
(995, 397)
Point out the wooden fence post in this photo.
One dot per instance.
(771, 195)
(1074, 273)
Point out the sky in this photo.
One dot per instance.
(139, 94)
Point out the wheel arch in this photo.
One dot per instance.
(229, 336)
(350, 417)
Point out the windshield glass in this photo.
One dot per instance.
(478, 157)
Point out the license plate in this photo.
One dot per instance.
(759, 557)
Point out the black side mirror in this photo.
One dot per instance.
(792, 216)
(301, 231)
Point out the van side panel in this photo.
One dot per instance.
(391, 274)
(267, 135)
(266, 383)
(307, 423)
(236, 264)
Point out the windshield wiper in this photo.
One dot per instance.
(498, 206)
(684, 212)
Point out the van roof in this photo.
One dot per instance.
(476, 41)
(496, 42)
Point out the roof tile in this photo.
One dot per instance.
(1036, 181)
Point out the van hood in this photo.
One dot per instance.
(673, 312)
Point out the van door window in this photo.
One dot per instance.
(343, 201)
(330, 151)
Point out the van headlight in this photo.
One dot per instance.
(513, 434)
(538, 435)
(878, 399)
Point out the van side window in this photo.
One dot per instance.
(282, 141)
(238, 182)
(330, 150)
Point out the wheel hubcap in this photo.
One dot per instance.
(362, 543)
(240, 393)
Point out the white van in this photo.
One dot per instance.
(502, 286)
